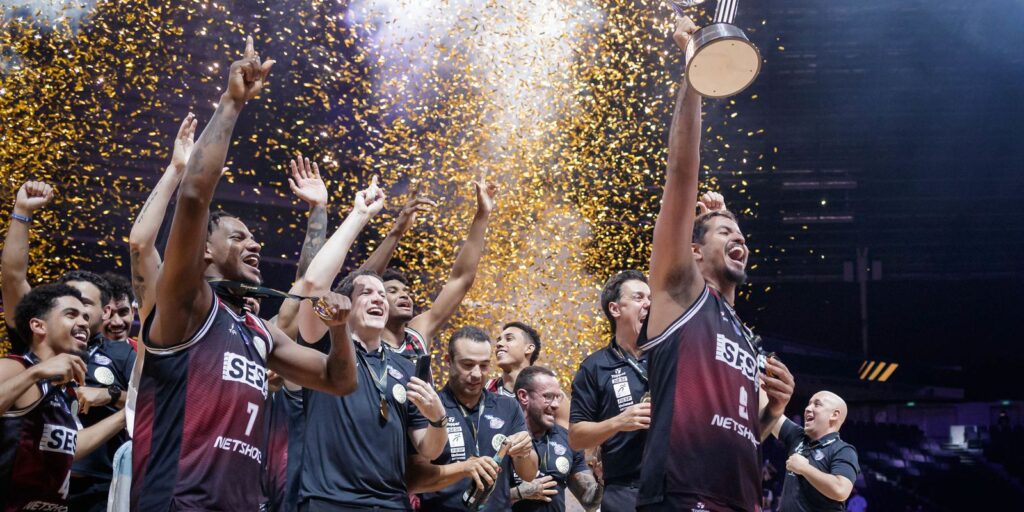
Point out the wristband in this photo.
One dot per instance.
(22, 218)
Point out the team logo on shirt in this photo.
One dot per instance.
(456, 440)
(393, 372)
(101, 359)
(558, 447)
(495, 422)
(620, 384)
(730, 353)
(240, 369)
(562, 464)
(57, 438)
(818, 455)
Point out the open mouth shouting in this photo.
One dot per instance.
(375, 311)
(737, 253)
(253, 262)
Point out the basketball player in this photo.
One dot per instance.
(199, 439)
(711, 404)
(40, 435)
(518, 347)
(560, 467)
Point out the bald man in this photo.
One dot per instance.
(821, 468)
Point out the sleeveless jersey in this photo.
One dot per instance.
(704, 398)
(414, 345)
(199, 421)
(496, 385)
(37, 447)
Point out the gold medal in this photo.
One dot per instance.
(384, 409)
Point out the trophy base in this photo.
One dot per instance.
(721, 61)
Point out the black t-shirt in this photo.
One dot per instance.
(108, 363)
(554, 459)
(830, 454)
(604, 386)
(351, 456)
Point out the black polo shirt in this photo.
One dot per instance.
(557, 460)
(494, 418)
(351, 457)
(107, 363)
(830, 454)
(604, 386)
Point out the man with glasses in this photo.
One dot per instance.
(540, 395)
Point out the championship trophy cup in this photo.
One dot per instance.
(720, 60)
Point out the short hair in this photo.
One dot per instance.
(348, 283)
(120, 286)
(469, 332)
(528, 375)
(215, 218)
(88, 277)
(700, 224)
(531, 333)
(612, 290)
(391, 274)
(38, 303)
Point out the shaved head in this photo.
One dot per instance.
(824, 414)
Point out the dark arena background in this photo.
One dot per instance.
(876, 165)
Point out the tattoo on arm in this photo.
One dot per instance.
(586, 489)
(316, 236)
(138, 281)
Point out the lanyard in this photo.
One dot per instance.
(380, 381)
(547, 451)
(800, 447)
(239, 289)
(753, 340)
(474, 429)
(640, 372)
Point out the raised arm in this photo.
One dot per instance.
(306, 184)
(464, 270)
(675, 279)
(145, 260)
(182, 295)
(381, 256)
(32, 196)
(327, 263)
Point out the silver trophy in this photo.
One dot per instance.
(720, 60)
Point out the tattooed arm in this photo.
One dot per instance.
(586, 489)
(183, 297)
(307, 184)
(145, 259)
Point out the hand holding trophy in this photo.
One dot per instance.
(720, 60)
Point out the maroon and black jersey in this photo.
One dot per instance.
(200, 433)
(37, 447)
(704, 401)
(413, 347)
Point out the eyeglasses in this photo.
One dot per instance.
(550, 397)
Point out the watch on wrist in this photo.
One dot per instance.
(115, 393)
(441, 423)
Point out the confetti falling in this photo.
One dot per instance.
(564, 103)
